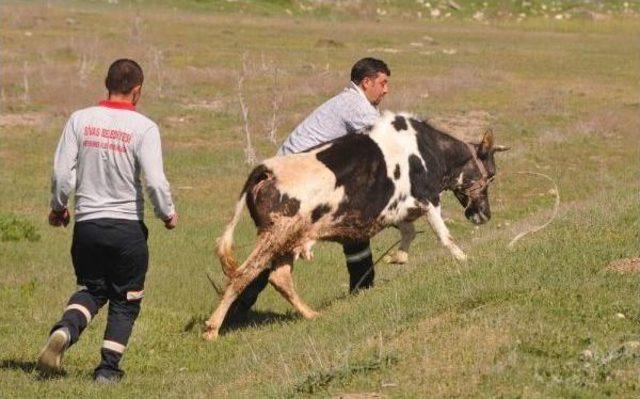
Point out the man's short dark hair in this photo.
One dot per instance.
(124, 74)
(368, 68)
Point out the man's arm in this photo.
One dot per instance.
(150, 158)
(361, 117)
(64, 177)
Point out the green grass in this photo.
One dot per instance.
(510, 323)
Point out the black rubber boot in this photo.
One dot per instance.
(360, 266)
(108, 371)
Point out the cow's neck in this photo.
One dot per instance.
(455, 154)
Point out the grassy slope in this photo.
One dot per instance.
(564, 95)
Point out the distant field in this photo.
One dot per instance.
(548, 318)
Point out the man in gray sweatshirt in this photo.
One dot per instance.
(101, 156)
(355, 108)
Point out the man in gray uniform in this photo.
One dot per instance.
(350, 111)
(101, 155)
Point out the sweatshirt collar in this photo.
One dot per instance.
(117, 105)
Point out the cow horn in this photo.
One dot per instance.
(499, 148)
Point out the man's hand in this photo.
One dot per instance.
(172, 222)
(59, 218)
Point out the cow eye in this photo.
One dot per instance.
(470, 183)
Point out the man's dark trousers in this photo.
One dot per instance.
(110, 259)
(359, 265)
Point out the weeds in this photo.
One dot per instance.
(14, 228)
(249, 150)
(26, 95)
(318, 381)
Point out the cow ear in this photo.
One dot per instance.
(486, 145)
(499, 148)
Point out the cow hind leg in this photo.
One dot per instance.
(408, 233)
(212, 326)
(282, 280)
(257, 261)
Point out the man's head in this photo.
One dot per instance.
(124, 80)
(372, 76)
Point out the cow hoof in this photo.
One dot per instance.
(311, 315)
(398, 258)
(460, 256)
(210, 332)
(210, 335)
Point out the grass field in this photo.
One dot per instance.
(545, 319)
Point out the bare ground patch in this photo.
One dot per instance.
(608, 124)
(468, 126)
(26, 119)
(628, 265)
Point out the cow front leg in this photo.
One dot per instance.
(442, 232)
(282, 280)
(408, 233)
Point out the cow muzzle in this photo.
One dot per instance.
(478, 218)
(477, 215)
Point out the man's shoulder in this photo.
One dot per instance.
(350, 94)
(135, 117)
(144, 120)
(345, 101)
(84, 112)
(354, 100)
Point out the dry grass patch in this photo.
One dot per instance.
(607, 124)
(22, 120)
(468, 126)
(369, 395)
(448, 353)
(628, 265)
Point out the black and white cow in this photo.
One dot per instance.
(347, 191)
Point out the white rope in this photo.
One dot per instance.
(548, 222)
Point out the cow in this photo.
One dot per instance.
(347, 191)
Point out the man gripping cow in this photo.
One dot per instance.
(355, 108)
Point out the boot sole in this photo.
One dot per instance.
(50, 357)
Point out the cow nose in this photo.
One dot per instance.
(477, 216)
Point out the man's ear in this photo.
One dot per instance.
(137, 92)
(366, 83)
(486, 145)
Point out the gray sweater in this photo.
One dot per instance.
(345, 113)
(101, 155)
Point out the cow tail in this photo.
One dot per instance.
(225, 243)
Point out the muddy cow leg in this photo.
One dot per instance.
(282, 280)
(257, 261)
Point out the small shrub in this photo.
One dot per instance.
(15, 228)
